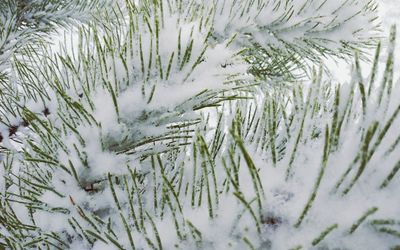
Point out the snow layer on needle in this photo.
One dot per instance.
(295, 25)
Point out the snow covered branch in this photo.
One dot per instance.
(147, 127)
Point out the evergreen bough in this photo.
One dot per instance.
(195, 124)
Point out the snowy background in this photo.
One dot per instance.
(389, 12)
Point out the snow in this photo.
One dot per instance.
(181, 201)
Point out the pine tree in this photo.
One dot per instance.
(195, 124)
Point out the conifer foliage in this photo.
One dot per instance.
(177, 124)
